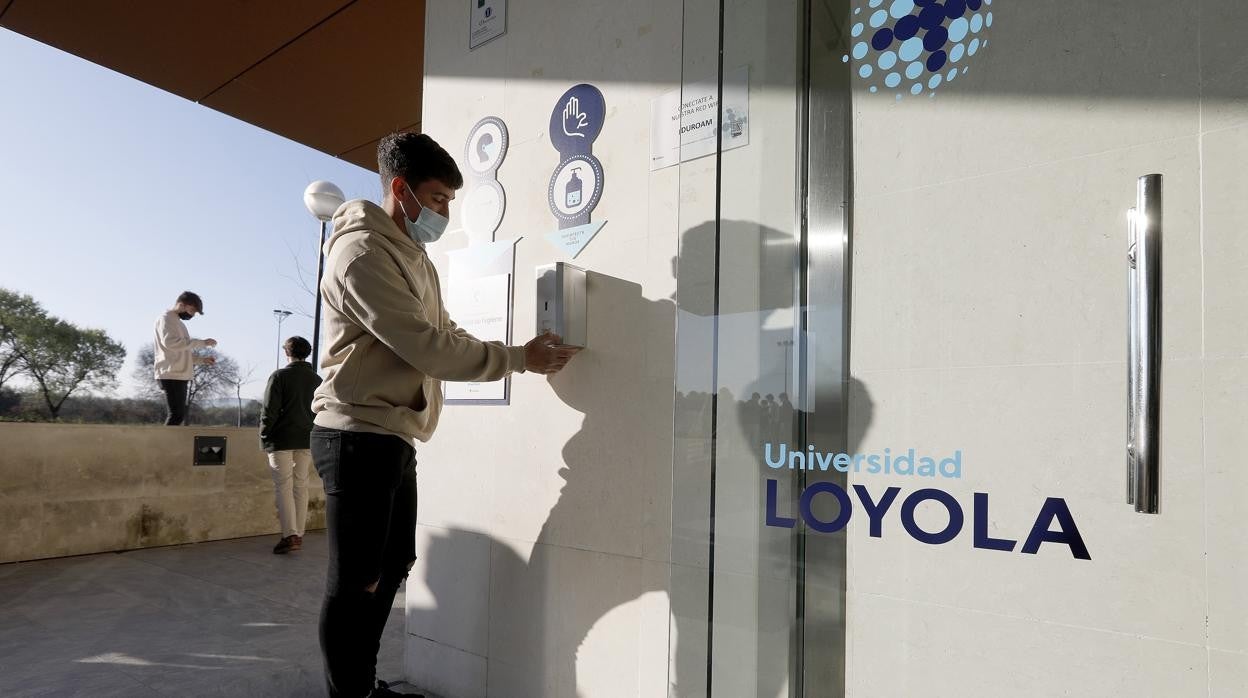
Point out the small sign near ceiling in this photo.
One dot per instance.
(488, 21)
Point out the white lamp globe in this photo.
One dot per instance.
(322, 199)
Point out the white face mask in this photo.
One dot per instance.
(429, 224)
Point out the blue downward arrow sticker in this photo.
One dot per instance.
(573, 240)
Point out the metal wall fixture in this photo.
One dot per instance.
(561, 302)
(1144, 235)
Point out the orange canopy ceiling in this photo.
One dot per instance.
(335, 75)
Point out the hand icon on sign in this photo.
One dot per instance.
(574, 117)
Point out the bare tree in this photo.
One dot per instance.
(144, 373)
(208, 381)
(304, 280)
(238, 380)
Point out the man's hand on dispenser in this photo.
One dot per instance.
(546, 354)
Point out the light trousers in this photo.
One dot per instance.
(290, 488)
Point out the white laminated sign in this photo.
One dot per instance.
(684, 123)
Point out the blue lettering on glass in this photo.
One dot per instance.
(910, 463)
(772, 518)
(1053, 510)
(778, 463)
(842, 517)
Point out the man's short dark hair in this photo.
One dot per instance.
(297, 347)
(416, 158)
(192, 299)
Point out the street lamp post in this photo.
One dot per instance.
(322, 199)
(281, 316)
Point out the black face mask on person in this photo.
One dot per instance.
(186, 316)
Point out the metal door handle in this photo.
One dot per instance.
(1144, 234)
(1133, 354)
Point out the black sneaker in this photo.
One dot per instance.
(383, 691)
(284, 545)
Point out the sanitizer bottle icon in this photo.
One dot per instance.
(574, 190)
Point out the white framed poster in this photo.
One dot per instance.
(482, 307)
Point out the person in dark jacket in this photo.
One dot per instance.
(285, 434)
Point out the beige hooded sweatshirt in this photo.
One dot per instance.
(390, 341)
(174, 357)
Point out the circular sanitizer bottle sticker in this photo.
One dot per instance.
(575, 187)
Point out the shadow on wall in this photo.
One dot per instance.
(609, 537)
(760, 419)
(753, 398)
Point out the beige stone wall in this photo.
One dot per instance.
(76, 489)
(544, 538)
(989, 315)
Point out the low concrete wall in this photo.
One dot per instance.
(76, 489)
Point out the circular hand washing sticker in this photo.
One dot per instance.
(916, 46)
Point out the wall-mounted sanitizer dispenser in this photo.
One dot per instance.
(561, 302)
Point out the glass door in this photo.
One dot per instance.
(758, 603)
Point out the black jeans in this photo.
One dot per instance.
(175, 400)
(370, 510)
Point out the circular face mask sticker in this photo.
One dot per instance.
(483, 208)
(486, 146)
(575, 187)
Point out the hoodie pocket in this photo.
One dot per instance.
(422, 402)
(403, 420)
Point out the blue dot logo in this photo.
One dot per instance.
(930, 42)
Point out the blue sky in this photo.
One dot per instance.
(117, 196)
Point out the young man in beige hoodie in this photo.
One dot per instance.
(390, 346)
